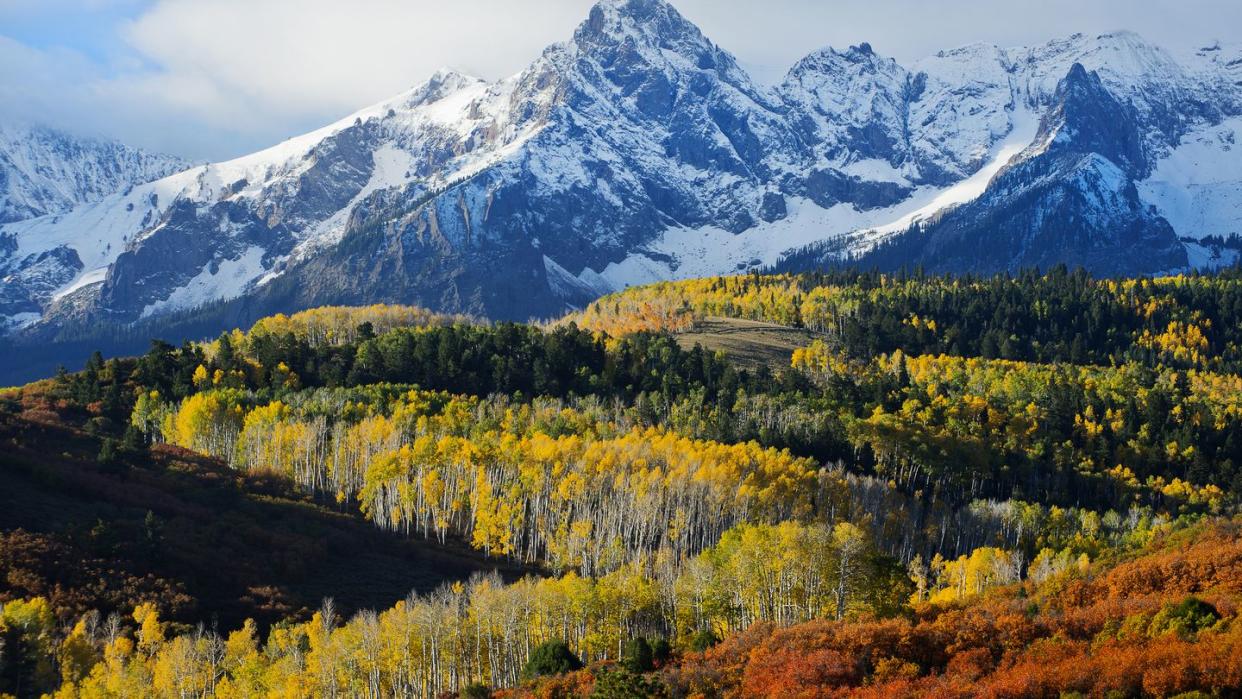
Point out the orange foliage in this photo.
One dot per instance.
(1211, 562)
(1093, 636)
(791, 672)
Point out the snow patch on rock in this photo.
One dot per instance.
(1197, 187)
(227, 280)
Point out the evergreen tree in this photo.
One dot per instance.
(551, 658)
(636, 656)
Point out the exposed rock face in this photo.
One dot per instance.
(639, 150)
(1069, 197)
(44, 171)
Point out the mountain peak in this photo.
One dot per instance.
(447, 74)
(1087, 118)
(1078, 76)
(818, 60)
(647, 45)
(446, 81)
(642, 10)
(610, 17)
(1120, 56)
(652, 23)
(441, 84)
(1124, 36)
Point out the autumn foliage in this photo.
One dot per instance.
(1129, 628)
(1021, 486)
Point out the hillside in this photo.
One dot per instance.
(1158, 621)
(47, 172)
(864, 484)
(105, 528)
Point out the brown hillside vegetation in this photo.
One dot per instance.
(1160, 624)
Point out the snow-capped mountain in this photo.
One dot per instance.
(1130, 169)
(639, 150)
(45, 171)
(1069, 196)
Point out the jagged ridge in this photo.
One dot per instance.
(640, 150)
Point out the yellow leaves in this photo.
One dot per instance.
(822, 307)
(1123, 475)
(206, 422)
(493, 517)
(975, 406)
(570, 487)
(1115, 418)
(959, 412)
(33, 616)
(847, 535)
(31, 622)
(1088, 427)
(1173, 450)
(914, 321)
(1210, 494)
(119, 649)
(121, 674)
(812, 359)
(433, 485)
(502, 481)
(77, 655)
(150, 414)
(984, 568)
(179, 669)
(820, 362)
(150, 628)
(676, 306)
(242, 645)
(1183, 342)
(1184, 492)
(334, 325)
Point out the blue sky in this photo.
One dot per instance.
(210, 79)
(89, 27)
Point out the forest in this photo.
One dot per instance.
(1006, 486)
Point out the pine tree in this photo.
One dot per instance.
(551, 658)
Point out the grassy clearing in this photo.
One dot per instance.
(749, 343)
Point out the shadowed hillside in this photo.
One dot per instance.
(91, 530)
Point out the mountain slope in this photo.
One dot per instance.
(1069, 196)
(639, 150)
(44, 171)
(1093, 188)
(181, 530)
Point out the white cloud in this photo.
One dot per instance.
(222, 77)
(299, 55)
(64, 88)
